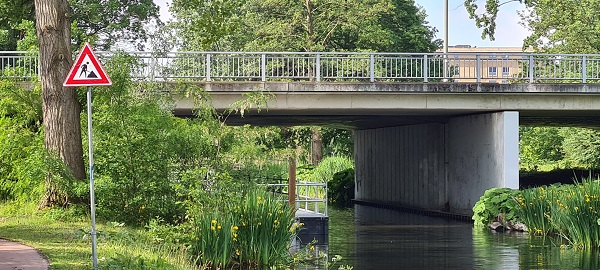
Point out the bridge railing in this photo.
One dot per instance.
(18, 65)
(481, 67)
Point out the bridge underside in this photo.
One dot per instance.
(431, 147)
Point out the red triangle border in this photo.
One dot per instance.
(104, 79)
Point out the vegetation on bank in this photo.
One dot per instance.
(568, 211)
(168, 190)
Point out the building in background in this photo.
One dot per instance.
(488, 64)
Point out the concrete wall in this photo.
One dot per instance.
(438, 166)
(483, 152)
(402, 165)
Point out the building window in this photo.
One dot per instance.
(505, 71)
(492, 71)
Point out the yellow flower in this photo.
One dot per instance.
(213, 221)
(219, 227)
(576, 208)
(587, 199)
(197, 238)
(312, 247)
(212, 228)
(237, 252)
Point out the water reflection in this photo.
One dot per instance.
(373, 238)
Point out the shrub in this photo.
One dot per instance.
(495, 201)
(340, 189)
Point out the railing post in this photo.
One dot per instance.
(372, 66)
(152, 66)
(531, 70)
(584, 69)
(478, 68)
(318, 67)
(208, 67)
(263, 67)
(425, 68)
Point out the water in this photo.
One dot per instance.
(372, 238)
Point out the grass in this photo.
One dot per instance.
(570, 211)
(67, 245)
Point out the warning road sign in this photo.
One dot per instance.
(87, 70)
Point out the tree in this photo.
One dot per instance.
(286, 25)
(540, 146)
(487, 20)
(105, 22)
(557, 26)
(60, 107)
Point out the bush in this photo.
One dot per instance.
(340, 189)
(495, 201)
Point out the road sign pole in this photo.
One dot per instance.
(91, 159)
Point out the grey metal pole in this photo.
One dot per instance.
(91, 161)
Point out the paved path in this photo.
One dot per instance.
(16, 256)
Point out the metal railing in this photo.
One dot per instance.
(310, 196)
(346, 67)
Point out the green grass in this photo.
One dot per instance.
(570, 211)
(67, 245)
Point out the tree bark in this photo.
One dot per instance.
(61, 109)
(317, 146)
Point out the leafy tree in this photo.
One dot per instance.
(487, 20)
(563, 26)
(557, 26)
(283, 25)
(582, 146)
(60, 106)
(540, 146)
(105, 22)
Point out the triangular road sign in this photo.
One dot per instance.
(87, 70)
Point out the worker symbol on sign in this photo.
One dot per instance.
(86, 71)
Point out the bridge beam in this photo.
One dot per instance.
(438, 166)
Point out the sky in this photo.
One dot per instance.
(462, 30)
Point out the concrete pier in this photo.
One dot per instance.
(438, 166)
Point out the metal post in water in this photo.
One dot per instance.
(91, 161)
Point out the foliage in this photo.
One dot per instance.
(329, 166)
(340, 189)
(582, 146)
(563, 26)
(119, 21)
(569, 211)
(540, 146)
(22, 154)
(337, 142)
(533, 209)
(281, 25)
(487, 20)
(495, 201)
(137, 143)
(254, 231)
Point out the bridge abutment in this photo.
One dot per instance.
(438, 166)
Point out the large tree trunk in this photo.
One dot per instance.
(60, 106)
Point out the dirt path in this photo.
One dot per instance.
(16, 256)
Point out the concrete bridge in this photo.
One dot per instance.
(432, 131)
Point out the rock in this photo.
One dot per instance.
(497, 226)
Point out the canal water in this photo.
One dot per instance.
(374, 238)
